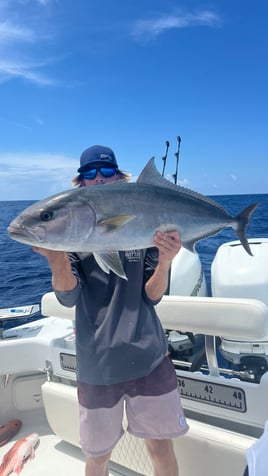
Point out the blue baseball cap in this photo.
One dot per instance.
(97, 156)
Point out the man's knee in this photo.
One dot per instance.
(160, 448)
(163, 457)
(97, 463)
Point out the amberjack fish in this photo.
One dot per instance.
(122, 216)
(8, 430)
(15, 458)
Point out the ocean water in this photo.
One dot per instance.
(25, 275)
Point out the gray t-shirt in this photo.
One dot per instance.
(118, 334)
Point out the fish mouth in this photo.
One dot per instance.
(25, 235)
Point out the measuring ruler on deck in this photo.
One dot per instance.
(224, 396)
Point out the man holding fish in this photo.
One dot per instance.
(121, 347)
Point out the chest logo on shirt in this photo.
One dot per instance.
(133, 256)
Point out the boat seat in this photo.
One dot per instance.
(50, 306)
(234, 317)
(230, 317)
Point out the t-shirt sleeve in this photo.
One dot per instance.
(70, 298)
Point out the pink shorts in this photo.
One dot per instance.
(151, 414)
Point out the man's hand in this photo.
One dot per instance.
(168, 244)
(50, 255)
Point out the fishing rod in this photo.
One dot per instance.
(165, 158)
(177, 155)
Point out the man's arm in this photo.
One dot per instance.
(59, 263)
(168, 244)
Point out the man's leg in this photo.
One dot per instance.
(97, 466)
(163, 457)
(97, 437)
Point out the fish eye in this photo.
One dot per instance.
(47, 215)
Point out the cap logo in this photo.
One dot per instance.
(106, 157)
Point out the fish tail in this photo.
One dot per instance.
(242, 220)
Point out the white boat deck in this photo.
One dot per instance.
(54, 456)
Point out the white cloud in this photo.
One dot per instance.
(44, 2)
(184, 183)
(26, 70)
(16, 69)
(28, 125)
(17, 60)
(150, 28)
(40, 2)
(10, 32)
(39, 121)
(33, 162)
(35, 175)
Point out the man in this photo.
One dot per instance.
(121, 346)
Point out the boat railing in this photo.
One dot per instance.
(239, 318)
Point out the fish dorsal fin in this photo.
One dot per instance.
(150, 176)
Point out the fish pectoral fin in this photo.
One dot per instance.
(110, 260)
(114, 222)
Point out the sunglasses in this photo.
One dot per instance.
(106, 172)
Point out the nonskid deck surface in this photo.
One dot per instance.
(54, 456)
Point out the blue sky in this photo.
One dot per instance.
(132, 75)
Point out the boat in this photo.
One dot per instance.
(218, 344)
(11, 314)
